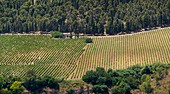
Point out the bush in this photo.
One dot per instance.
(89, 40)
(57, 34)
(5, 91)
(123, 88)
(100, 89)
(116, 90)
(90, 77)
(71, 91)
(146, 70)
(145, 86)
(101, 80)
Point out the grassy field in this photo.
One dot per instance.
(46, 56)
(72, 58)
(124, 51)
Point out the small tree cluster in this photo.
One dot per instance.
(36, 84)
(122, 81)
(145, 86)
(57, 34)
(31, 83)
(100, 89)
(89, 40)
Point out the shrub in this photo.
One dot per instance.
(116, 90)
(101, 80)
(5, 91)
(123, 88)
(17, 87)
(90, 77)
(100, 89)
(146, 70)
(145, 86)
(89, 40)
(57, 34)
(71, 91)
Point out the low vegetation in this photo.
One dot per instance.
(124, 80)
(89, 40)
(29, 84)
(57, 34)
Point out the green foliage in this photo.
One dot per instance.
(59, 80)
(5, 91)
(57, 34)
(71, 91)
(143, 78)
(146, 87)
(17, 87)
(31, 82)
(146, 70)
(136, 68)
(100, 71)
(159, 70)
(116, 90)
(123, 88)
(89, 40)
(88, 17)
(90, 77)
(50, 82)
(100, 89)
(2, 81)
(101, 80)
(132, 82)
(122, 81)
(34, 83)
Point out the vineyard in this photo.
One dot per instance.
(46, 56)
(124, 51)
(71, 58)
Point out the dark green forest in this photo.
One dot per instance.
(83, 16)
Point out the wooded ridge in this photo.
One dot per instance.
(83, 16)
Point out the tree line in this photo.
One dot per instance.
(29, 84)
(103, 81)
(124, 80)
(83, 16)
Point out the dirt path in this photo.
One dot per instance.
(85, 47)
(110, 36)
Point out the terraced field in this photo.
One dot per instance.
(72, 58)
(46, 56)
(124, 51)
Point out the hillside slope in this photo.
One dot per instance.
(46, 56)
(71, 58)
(124, 51)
